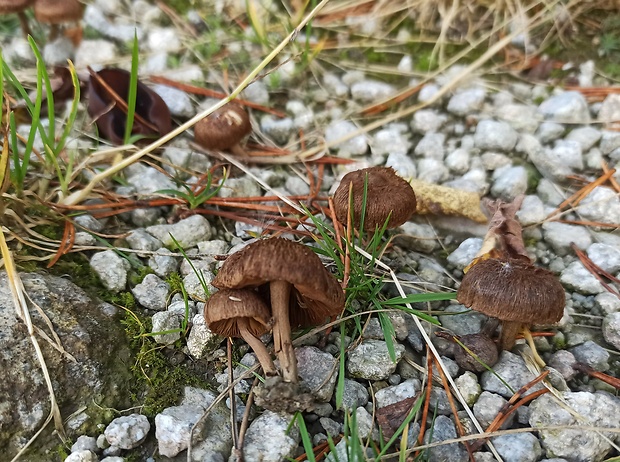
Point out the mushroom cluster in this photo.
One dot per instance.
(300, 292)
(52, 12)
(388, 198)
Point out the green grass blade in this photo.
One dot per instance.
(419, 298)
(133, 89)
(198, 273)
(43, 75)
(305, 438)
(388, 331)
(74, 109)
(341, 370)
(1, 84)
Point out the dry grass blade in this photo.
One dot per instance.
(22, 311)
(66, 244)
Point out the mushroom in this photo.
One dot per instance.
(55, 12)
(241, 313)
(481, 345)
(515, 292)
(17, 6)
(224, 129)
(388, 195)
(298, 283)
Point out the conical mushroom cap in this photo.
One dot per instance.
(14, 6)
(58, 11)
(225, 307)
(315, 295)
(513, 290)
(223, 129)
(386, 192)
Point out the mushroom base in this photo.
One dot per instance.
(280, 396)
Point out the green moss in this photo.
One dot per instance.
(175, 281)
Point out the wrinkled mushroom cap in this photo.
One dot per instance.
(14, 6)
(315, 294)
(58, 11)
(224, 128)
(513, 290)
(225, 307)
(386, 192)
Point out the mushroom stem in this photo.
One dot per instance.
(258, 347)
(283, 345)
(238, 150)
(507, 338)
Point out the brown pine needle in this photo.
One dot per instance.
(578, 196)
(66, 243)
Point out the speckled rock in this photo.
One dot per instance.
(371, 360)
(492, 135)
(188, 232)
(127, 432)
(512, 369)
(318, 370)
(111, 269)
(611, 329)
(152, 292)
(269, 438)
(566, 107)
(201, 340)
(577, 277)
(520, 447)
(591, 354)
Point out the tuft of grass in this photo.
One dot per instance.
(133, 89)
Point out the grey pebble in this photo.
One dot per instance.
(111, 269)
(492, 135)
(152, 292)
(520, 447)
(371, 360)
(566, 107)
(467, 101)
(591, 354)
(611, 329)
(127, 432)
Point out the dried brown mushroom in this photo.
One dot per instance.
(515, 292)
(55, 12)
(241, 313)
(387, 195)
(298, 282)
(17, 6)
(224, 129)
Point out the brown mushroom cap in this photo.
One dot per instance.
(386, 192)
(513, 290)
(14, 6)
(224, 128)
(316, 293)
(225, 307)
(58, 11)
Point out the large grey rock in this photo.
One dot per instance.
(318, 371)
(99, 375)
(513, 371)
(566, 107)
(591, 354)
(127, 432)
(598, 409)
(270, 438)
(444, 429)
(520, 447)
(371, 360)
(187, 232)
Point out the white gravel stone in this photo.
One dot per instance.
(610, 141)
(521, 447)
(368, 91)
(512, 369)
(152, 292)
(390, 140)
(607, 302)
(188, 232)
(468, 386)
(578, 278)
(465, 252)
(95, 52)
(428, 92)
(550, 131)
(164, 321)
(488, 406)
(522, 117)
(599, 409)
(193, 284)
(127, 432)
(566, 107)
(355, 146)
(57, 52)
(257, 92)
(610, 109)
(371, 360)
(467, 101)
(431, 146)
(334, 85)
(402, 164)
(458, 161)
(591, 354)
(163, 263)
(606, 256)
(111, 269)
(532, 211)
(147, 180)
(492, 135)
(427, 120)
(201, 340)
(173, 426)
(318, 371)
(178, 101)
(561, 235)
(602, 204)
(240, 187)
(271, 438)
(280, 130)
(432, 170)
(611, 329)
(396, 393)
(85, 443)
(569, 153)
(587, 137)
(82, 456)
(544, 159)
(163, 39)
(509, 183)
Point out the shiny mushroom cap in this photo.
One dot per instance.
(386, 192)
(224, 128)
(315, 295)
(14, 6)
(513, 290)
(225, 307)
(58, 11)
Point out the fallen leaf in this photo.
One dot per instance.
(391, 417)
(107, 104)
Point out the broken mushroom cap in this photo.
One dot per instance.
(513, 291)
(58, 11)
(223, 129)
(300, 287)
(14, 6)
(241, 313)
(387, 194)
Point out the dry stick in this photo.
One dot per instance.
(596, 270)
(246, 418)
(459, 425)
(612, 179)
(231, 395)
(427, 399)
(81, 195)
(608, 379)
(66, 244)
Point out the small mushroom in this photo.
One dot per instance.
(298, 283)
(241, 313)
(388, 195)
(515, 292)
(56, 12)
(17, 6)
(224, 129)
